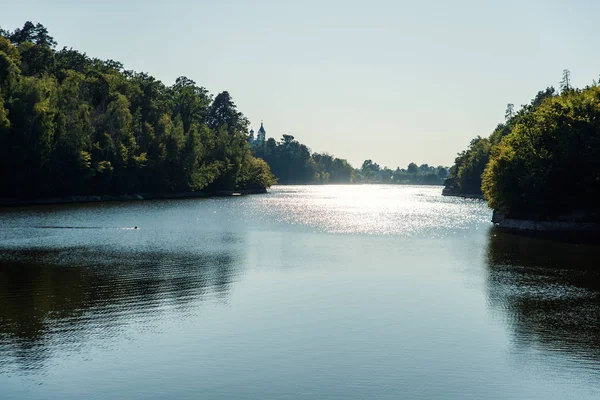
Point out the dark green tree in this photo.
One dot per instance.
(223, 111)
(412, 168)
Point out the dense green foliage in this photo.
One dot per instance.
(549, 164)
(293, 163)
(544, 162)
(465, 176)
(71, 124)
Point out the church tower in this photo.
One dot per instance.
(262, 134)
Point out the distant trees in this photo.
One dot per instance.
(413, 175)
(370, 171)
(442, 173)
(71, 124)
(412, 168)
(332, 169)
(293, 163)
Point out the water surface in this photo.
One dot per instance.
(334, 292)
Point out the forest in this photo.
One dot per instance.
(71, 124)
(294, 163)
(543, 162)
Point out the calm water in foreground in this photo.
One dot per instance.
(336, 292)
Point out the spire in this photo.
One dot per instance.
(262, 134)
(262, 128)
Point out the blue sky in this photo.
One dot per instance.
(393, 81)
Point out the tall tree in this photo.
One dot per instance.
(191, 102)
(223, 111)
(565, 83)
(510, 112)
(37, 34)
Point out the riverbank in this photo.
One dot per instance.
(355, 183)
(451, 193)
(501, 221)
(11, 202)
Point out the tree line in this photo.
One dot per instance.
(294, 163)
(71, 124)
(425, 174)
(543, 162)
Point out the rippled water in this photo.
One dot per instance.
(333, 292)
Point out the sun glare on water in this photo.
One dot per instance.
(373, 209)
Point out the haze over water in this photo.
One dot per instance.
(334, 292)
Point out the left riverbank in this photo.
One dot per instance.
(11, 202)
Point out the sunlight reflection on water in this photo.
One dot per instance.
(380, 209)
(348, 292)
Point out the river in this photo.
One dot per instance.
(330, 292)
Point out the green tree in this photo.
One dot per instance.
(548, 164)
(472, 166)
(370, 171)
(442, 173)
(412, 168)
(11, 51)
(191, 103)
(565, 83)
(31, 112)
(30, 33)
(223, 111)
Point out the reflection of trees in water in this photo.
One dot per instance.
(53, 300)
(548, 289)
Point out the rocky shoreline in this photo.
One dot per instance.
(127, 197)
(451, 193)
(501, 221)
(567, 223)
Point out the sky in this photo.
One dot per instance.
(392, 81)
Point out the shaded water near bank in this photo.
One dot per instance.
(346, 292)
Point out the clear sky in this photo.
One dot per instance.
(393, 81)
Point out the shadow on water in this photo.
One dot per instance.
(548, 290)
(54, 300)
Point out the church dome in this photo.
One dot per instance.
(262, 129)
